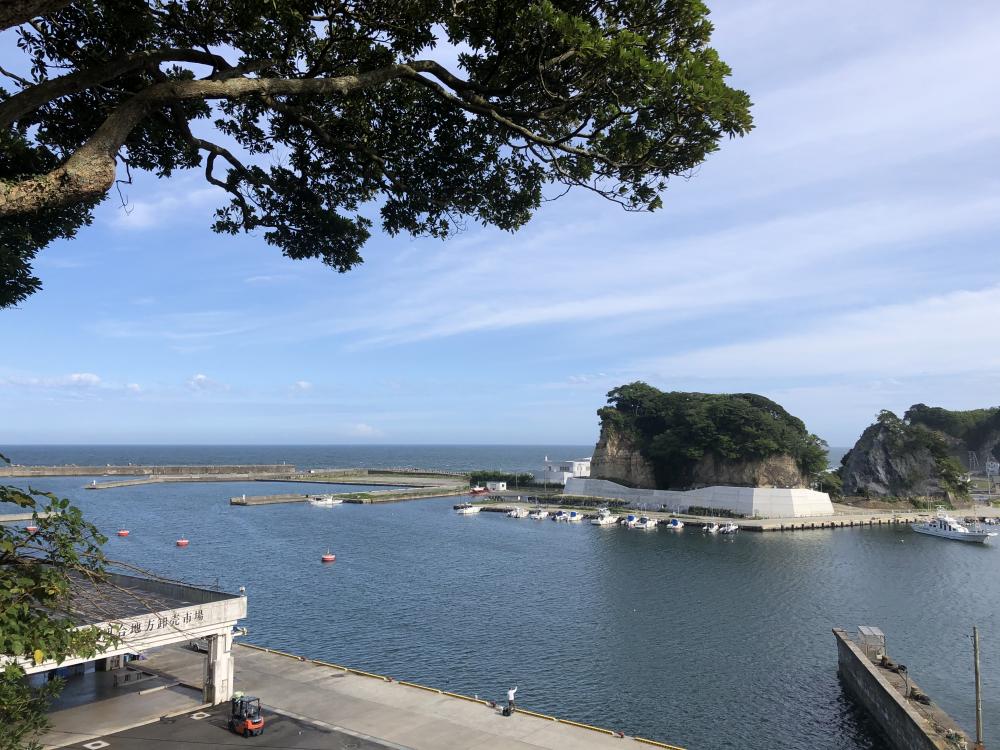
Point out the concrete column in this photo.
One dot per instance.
(219, 668)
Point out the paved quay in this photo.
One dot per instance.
(393, 713)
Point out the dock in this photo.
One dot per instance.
(388, 710)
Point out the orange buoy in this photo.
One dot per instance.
(31, 529)
(122, 532)
(328, 557)
(182, 542)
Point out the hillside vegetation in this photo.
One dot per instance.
(675, 432)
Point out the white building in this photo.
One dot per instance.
(558, 472)
(496, 486)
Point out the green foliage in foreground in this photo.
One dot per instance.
(35, 619)
(676, 430)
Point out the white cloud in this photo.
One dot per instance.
(203, 383)
(133, 387)
(943, 335)
(176, 203)
(363, 430)
(302, 385)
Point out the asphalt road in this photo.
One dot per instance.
(182, 731)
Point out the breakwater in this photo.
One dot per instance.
(909, 718)
(137, 470)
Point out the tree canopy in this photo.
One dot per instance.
(676, 430)
(312, 117)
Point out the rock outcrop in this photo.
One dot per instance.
(617, 459)
(774, 471)
(877, 466)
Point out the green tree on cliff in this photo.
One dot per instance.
(310, 116)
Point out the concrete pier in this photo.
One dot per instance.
(137, 470)
(391, 711)
(907, 716)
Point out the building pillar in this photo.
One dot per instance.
(219, 668)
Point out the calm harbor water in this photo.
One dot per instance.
(702, 641)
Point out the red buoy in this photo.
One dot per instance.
(31, 529)
(122, 532)
(182, 542)
(328, 557)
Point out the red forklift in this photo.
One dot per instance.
(244, 715)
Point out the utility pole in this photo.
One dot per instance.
(979, 690)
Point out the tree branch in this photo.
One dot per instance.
(15, 12)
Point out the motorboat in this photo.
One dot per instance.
(517, 513)
(945, 526)
(711, 528)
(538, 515)
(673, 523)
(604, 518)
(574, 516)
(467, 509)
(630, 521)
(326, 500)
(729, 528)
(646, 523)
(560, 515)
(478, 490)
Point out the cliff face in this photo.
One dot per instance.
(617, 458)
(877, 466)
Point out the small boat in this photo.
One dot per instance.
(326, 500)
(574, 516)
(517, 513)
(560, 515)
(31, 529)
(182, 542)
(945, 526)
(122, 532)
(538, 515)
(674, 523)
(478, 490)
(328, 557)
(604, 518)
(711, 528)
(630, 521)
(646, 523)
(729, 528)
(467, 509)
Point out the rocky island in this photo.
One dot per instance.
(652, 439)
(928, 453)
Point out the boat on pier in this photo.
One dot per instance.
(946, 527)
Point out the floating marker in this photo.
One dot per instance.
(31, 529)
(182, 542)
(122, 532)
(329, 557)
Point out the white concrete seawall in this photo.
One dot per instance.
(762, 502)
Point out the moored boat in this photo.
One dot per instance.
(646, 523)
(326, 500)
(604, 518)
(630, 521)
(729, 528)
(517, 513)
(538, 515)
(946, 527)
(574, 516)
(467, 509)
(711, 528)
(673, 523)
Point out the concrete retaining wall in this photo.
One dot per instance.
(762, 502)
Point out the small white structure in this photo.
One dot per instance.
(752, 502)
(496, 486)
(559, 472)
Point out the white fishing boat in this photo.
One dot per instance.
(326, 500)
(467, 509)
(560, 515)
(673, 523)
(711, 528)
(630, 521)
(729, 528)
(645, 523)
(517, 513)
(538, 515)
(945, 526)
(604, 518)
(574, 516)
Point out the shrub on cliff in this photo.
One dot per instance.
(675, 430)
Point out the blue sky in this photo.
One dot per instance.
(840, 259)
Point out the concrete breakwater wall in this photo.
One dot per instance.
(890, 699)
(138, 471)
